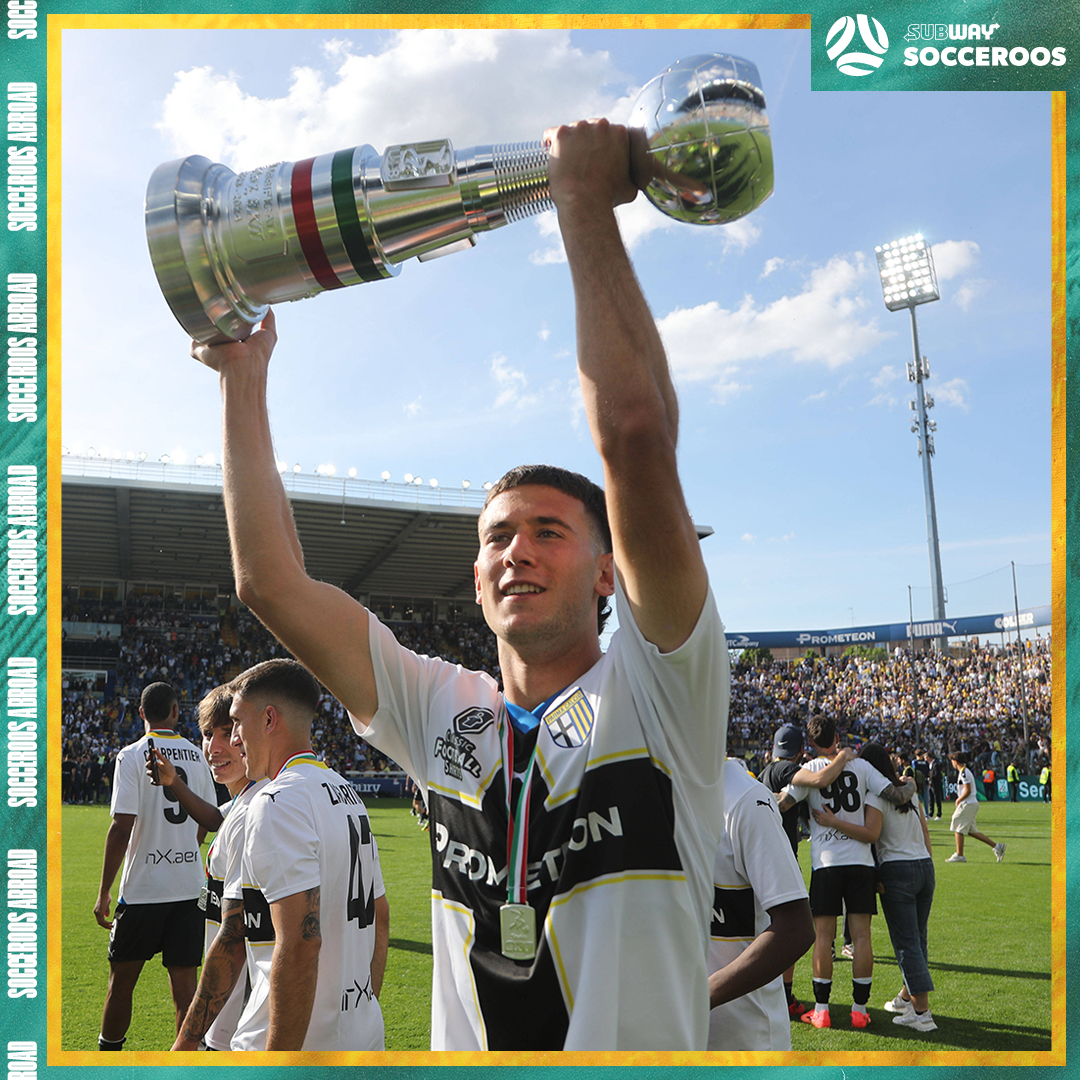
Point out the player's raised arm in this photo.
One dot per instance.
(629, 396)
(325, 628)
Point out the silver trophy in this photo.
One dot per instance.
(225, 246)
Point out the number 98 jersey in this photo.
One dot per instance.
(847, 797)
(162, 863)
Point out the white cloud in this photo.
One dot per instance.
(725, 388)
(888, 374)
(954, 257)
(954, 392)
(771, 266)
(456, 84)
(511, 383)
(820, 396)
(824, 324)
(544, 332)
(970, 291)
(413, 408)
(749, 538)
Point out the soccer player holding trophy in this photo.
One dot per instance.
(576, 810)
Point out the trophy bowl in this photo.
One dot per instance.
(701, 148)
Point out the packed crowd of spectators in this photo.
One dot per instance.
(971, 702)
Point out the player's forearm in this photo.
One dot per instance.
(382, 944)
(621, 360)
(116, 843)
(293, 976)
(205, 814)
(221, 971)
(899, 795)
(265, 547)
(771, 953)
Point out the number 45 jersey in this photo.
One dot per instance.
(308, 829)
(847, 796)
(162, 863)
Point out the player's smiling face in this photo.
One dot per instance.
(540, 570)
(250, 737)
(225, 760)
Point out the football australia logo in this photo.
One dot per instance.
(860, 57)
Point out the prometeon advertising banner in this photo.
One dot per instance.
(864, 278)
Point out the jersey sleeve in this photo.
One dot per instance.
(127, 777)
(797, 792)
(281, 846)
(406, 685)
(687, 691)
(763, 853)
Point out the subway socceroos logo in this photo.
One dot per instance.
(973, 55)
(857, 44)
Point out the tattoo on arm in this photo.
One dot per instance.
(221, 969)
(896, 795)
(784, 801)
(311, 928)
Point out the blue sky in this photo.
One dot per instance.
(795, 443)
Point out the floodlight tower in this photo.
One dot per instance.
(907, 279)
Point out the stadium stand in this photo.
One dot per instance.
(407, 552)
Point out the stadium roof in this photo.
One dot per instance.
(165, 523)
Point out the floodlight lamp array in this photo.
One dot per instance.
(907, 273)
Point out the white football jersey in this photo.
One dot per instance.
(163, 862)
(846, 797)
(307, 828)
(625, 815)
(222, 861)
(755, 871)
(966, 776)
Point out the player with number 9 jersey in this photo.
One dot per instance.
(163, 863)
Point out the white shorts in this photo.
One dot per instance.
(963, 819)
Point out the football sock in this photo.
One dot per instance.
(822, 990)
(104, 1044)
(787, 991)
(860, 994)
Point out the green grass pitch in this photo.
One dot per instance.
(989, 944)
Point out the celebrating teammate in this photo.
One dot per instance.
(576, 815)
(158, 843)
(842, 867)
(316, 915)
(761, 920)
(219, 997)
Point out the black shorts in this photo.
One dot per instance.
(176, 930)
(836, 889)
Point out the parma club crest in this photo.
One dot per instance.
(570, 722)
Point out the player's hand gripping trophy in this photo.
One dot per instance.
(226, 246)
